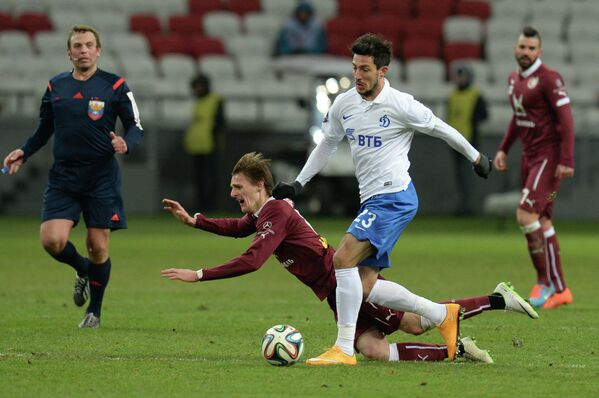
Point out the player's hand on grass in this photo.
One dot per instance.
(186, 275)
(562, 171)
(13, 161)
(500, 161)
(118, 143)
(482, 167)
(287, 190)
(178, 212)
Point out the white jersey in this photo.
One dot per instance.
(380, 134)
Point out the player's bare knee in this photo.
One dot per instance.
(341, 262)
(54, 245)
(97, 253)
(410, 323)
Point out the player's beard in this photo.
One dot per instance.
(525, 62)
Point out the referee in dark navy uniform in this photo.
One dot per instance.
(80, 108)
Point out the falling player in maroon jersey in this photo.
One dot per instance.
(281, 230)
(543, 121)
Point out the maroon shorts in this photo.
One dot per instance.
(539, 185)
(372, 316)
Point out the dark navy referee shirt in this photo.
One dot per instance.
(81, 115)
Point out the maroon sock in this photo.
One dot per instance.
(536, 249)
(555, 264)
(473, 305)
(421, 352)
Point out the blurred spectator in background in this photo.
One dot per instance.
(203, 140)
(303, 33)
(466, 108)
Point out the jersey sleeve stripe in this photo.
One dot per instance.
(118, 83)
(49, 86)
(562, 101)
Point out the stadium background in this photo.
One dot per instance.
(275, 104)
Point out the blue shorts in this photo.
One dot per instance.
(381, 220)
(94, 190)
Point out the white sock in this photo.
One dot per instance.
(393, 352)
(426, 324)
(349, 300)
(392, 295)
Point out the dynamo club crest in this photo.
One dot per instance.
(95, 110)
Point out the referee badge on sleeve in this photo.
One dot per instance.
(96, 109)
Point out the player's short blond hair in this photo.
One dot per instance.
(81, 29)
(256, 168)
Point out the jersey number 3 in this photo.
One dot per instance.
(365, 219)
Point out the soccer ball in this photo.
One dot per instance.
(282, 345)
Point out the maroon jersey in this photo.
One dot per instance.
(542, 115)
(282, 231)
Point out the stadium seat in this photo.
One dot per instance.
(501, 70)
(244, 45)
(555, 52)
(457, 50)
(201, 7)
(109, 22)
(177, 111)
(283, 8)
(285, 115)
(168, 44)
(582, 27)
(390, 26)
(501, 50)
(550, 9)
(254, 66)
(200, 46)
(139, 68)
(7, 22)
(176, 66)
(344, 26)
(340, 44)
(481, 69)
(499, 28)
(221, 24)
(266, 25)
(63, 20)
(233, 88)
(326, 9)
(480, 9)
(552, 29)
(242, 7)
(128, 43)
(500, 114)
(420, 48)
(48, 43)
(584, 9)
(146, 24)
(510, 10)
(22, 6)
(15, 42)
(185, 24)
(434, 8)
(241, 112)
(424, 28)
(584, 52)
(462, 29)
(32, 22)
(220, 67)
(425, 71)
(398, 8)
(356, 8)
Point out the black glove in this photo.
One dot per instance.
(484, 167)
(286, 190)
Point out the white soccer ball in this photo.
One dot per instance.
(282, 345)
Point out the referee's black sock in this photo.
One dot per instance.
(69, 256)
(99, 274)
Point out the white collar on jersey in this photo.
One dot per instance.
(382, 95)
(532, 68)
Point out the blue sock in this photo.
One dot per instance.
(69, 256)
(99, 274)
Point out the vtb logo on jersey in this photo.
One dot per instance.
(95, 109)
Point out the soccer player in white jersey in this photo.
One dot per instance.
(379, 122)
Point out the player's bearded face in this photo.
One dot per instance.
(249, 196)
(527, 50)
(368, 79)
(83, 50)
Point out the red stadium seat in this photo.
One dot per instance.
(402, 8)
(242, 7)
(185, 24)
(390, 26)
(344, 26)
(426, 27)
(340, 44)
(168, 44)
(435, 8)
(7, 22)
(480, 9)
(202, 45)
(455, 51)
(146, 24)
(33, 22)
(356, 8)
(201, 7)
(420, 48)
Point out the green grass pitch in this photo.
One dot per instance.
(165, 338)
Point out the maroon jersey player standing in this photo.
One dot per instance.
(279, 229)
(543, 121)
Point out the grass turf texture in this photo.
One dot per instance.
(166, 338)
